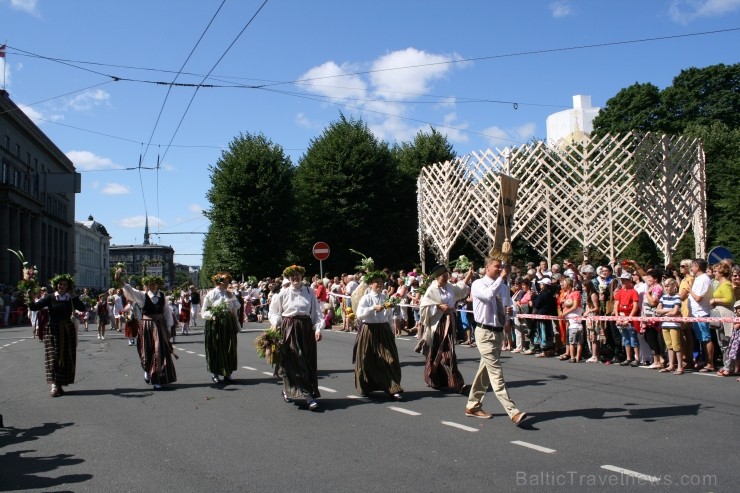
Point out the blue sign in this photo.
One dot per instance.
(718, 254)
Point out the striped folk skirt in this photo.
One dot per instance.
(298, 365)
(377, 366)
(155, 351)
(220, 339)
(60, 353)
(441, 369)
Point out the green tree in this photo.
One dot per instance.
(701, 102)
(251, 204)
(410, 158)
(345, 195)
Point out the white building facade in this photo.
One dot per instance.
(92, 255)
(573, 123)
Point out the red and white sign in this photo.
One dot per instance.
(321, 251)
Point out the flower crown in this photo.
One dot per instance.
(294, 269)
(221, 277)
(63, 277)
(367, 264)
(374, 275)
(146, 280)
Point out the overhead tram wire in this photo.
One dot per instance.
(249, 22)
(56, 97)
(169, 89)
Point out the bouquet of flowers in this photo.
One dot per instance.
(268, 345)
(221, 310)
(392, 301)
(462, 263)
(28, 281)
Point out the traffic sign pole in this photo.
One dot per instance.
(321, 252)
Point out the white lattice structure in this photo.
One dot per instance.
(601, 193)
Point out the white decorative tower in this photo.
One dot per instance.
(572, 124)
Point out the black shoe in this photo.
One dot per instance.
(465, 389)
(228, 380)
(146, 380)
(215, 380)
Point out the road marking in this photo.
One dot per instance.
(327, 389)
(266, 373)
(249, 368)
(404, 411)
(634, 474)
(534, 447)
(202, 355)
(354, 397)
(458, 425)
(190, 352)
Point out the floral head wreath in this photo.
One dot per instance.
(146, 280)
(294, 269)
(63, 277)
(224, 277)
(376, 274)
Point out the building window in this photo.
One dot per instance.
(7, 142)
(18, 150)
(4, 176)
(28, 158)
(16, 178)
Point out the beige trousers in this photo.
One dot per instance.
(489, 372)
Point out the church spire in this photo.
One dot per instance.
(146, 232)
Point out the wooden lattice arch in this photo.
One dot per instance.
(600, 192)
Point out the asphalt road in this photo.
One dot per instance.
(592, 427)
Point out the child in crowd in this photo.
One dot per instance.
(175, 316)
(326, 307)
(670, 306)
(103, 315)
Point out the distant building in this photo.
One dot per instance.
(140, 259)
(195, 276)
(92, 263)
(573, 123)
(38, 183)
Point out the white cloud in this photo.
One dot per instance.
(88, 100)
(167, 167)
(498, 137)
(561, 8)
(94, 185)
(87, 161)
(195, 208)
(115, 189)
(454, 129)
(38, 117)
(685, 11)
(28, 6)
(383, 91)
(408, 83)
(139, 222)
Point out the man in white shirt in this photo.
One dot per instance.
(491, 303)
(699, 306)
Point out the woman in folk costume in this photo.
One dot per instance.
(185, 307)
(296, 311)
(60, 337)
(220, 310)
(437, 315)
(153, 343)
(377, 365)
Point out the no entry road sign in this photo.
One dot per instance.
(321, 251)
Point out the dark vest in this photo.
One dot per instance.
(150, 308)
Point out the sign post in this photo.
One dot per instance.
(321, 252)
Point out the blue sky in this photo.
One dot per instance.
(400, 66)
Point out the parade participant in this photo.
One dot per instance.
(60, 338)
(296, 311)
(175, 315)
(185, 307)
(377, 365)
(221, 311)
(490, 306)
(103, 318)
(153, 345)
(132, 314)
(194, 306)
(436, 312)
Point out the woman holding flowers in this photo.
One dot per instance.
(296, 311)
(377, 365)
(153, 343)
(438, 319)
(220, 310)
(60, 338)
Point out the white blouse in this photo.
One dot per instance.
(139, 297)
(291, 302)
(366, 309)
(215, 297)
